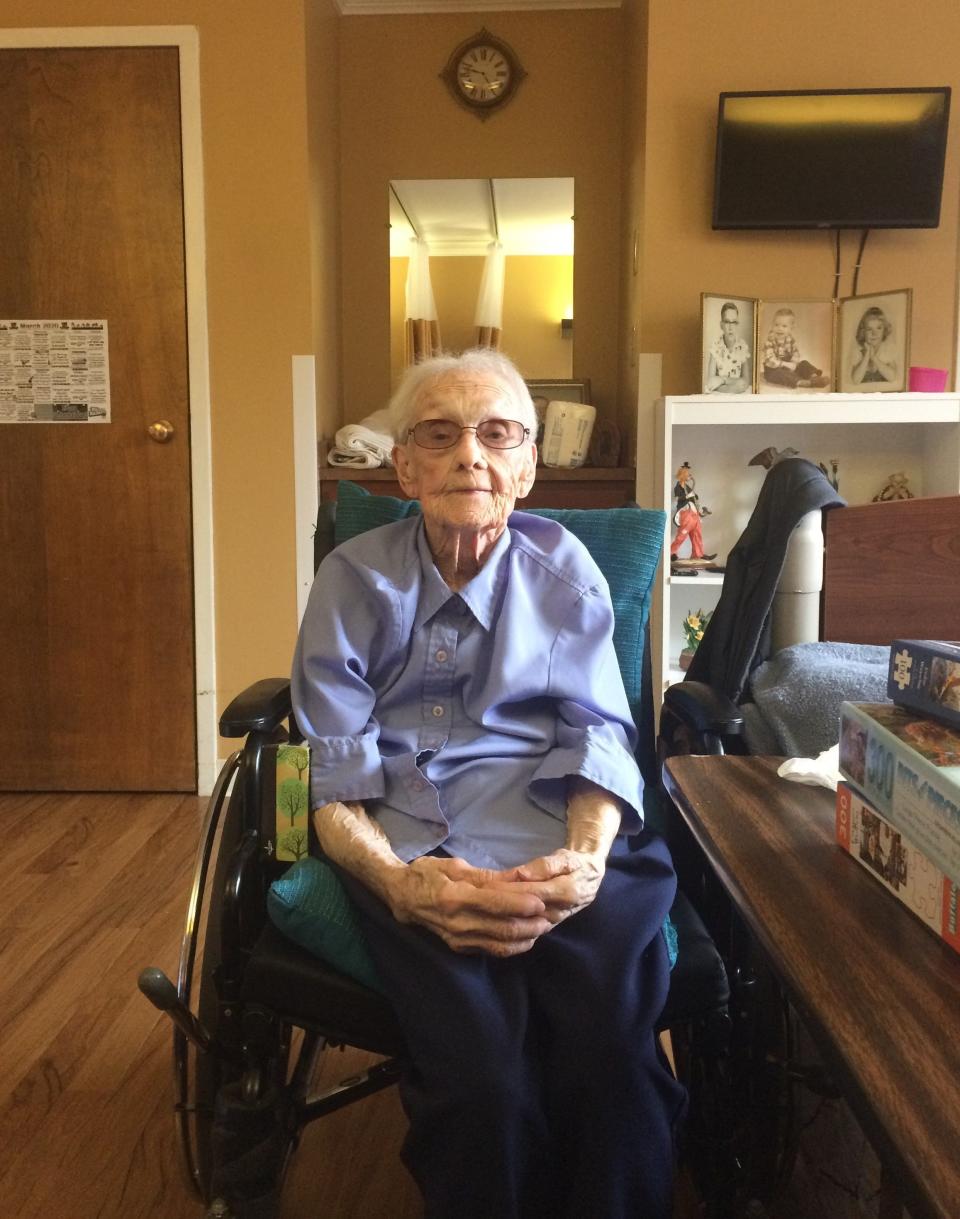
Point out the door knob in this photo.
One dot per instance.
(161, 431)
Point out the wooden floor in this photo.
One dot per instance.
(94, 887)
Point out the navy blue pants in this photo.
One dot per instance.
(537, 1087)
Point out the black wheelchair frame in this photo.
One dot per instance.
(253, 1011)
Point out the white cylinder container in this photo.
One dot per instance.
(566, 433)
(796, 604)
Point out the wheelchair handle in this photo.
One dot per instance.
(162, 993)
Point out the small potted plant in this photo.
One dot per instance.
(694, 625)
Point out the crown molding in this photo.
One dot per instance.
(370, 8)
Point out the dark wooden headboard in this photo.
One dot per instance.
(892, 571)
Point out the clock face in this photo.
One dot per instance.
(483, 75)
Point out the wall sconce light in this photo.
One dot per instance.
(566, 327)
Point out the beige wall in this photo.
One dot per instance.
(265, 208)
(399, 121)
(632, 262)
(538, 290)
(824, 45)
(323, 103)
(307, 116)
(398, 307)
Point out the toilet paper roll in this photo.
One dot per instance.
(566, 433)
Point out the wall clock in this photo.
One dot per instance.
(483, 73)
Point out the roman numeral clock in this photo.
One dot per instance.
(483, 73)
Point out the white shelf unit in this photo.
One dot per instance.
(870, 435)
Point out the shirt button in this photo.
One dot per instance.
(440, 656)
(438, 712)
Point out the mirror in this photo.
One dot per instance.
(459, 218)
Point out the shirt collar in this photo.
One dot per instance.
(481, 596)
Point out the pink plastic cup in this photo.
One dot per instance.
(928, 380)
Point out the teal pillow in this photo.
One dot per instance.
(358, 510)
(310, 906)
(625, 544)
(673, 942)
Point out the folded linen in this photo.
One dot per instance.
(364, 444)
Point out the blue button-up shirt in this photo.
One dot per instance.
(457, 717)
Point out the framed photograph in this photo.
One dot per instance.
(795, 346)
(873, 344)
(561, 390)
(727, 343)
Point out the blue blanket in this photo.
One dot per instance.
(796, 695)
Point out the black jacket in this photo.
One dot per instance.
(737, 638)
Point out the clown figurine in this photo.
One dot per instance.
(687, 517)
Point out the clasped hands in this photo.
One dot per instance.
(870, 350)
(502, 913)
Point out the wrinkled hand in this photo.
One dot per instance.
(469, 908)
(566, 881)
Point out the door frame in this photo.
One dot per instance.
(186, 40)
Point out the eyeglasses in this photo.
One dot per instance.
(492, 433)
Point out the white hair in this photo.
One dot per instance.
(476, 362)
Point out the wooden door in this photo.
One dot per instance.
(96, 617)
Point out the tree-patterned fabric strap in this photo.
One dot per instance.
(292, 802)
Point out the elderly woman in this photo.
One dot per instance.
(473, 778)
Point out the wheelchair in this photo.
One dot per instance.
(253, 1011)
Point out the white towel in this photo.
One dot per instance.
(366, 444)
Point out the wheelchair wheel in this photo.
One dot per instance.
(199, 1076)
(237, 1110)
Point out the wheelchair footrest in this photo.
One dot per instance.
(382, 1075)
(250, 1143)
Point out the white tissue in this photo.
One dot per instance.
(822, 771)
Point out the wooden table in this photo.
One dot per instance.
(878, 991)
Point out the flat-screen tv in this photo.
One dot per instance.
(824, 159)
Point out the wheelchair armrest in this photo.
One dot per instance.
(260, 708)
(244, 909)
(703, 709)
